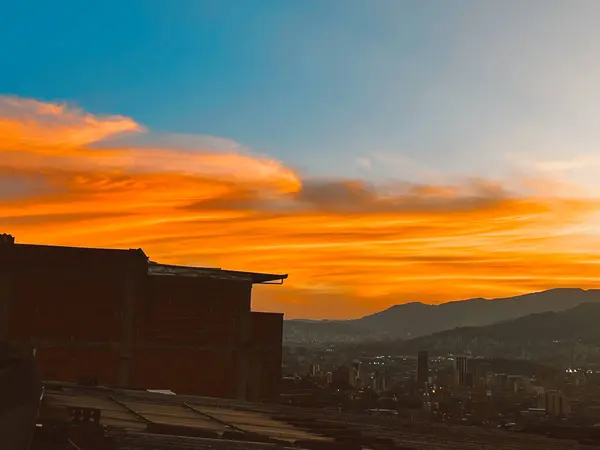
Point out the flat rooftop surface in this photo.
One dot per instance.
(133, 414)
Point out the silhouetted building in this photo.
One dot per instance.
(461, 369)
(358, 375)
(314, 370)
(380, 381)
(422, 367)
(556, 404)
(480, 372)
(116, 318)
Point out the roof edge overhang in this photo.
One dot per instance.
(157, 269)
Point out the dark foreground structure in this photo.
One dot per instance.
(137, 420)
(20, 395)
(114, 318)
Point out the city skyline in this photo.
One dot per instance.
(379, 153)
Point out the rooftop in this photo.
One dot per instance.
(139, 418)
(254, 277)
(35, 254)
(143, 420)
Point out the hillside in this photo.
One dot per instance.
(412, 320)
(546, 334)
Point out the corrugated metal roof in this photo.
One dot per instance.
(34, 255)
(142, 420)
(138, 417)
(157, 269)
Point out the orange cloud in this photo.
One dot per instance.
(47, 127)
(350, 247)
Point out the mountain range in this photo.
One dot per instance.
(545, 335)
(412, 320)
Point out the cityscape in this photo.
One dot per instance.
(513, 394)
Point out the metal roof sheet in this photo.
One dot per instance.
(157, 269)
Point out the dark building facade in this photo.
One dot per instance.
(117, 318)
(462, 376)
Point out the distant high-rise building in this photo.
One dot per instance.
(461, 368)
(422, 367)
(314, 370)
(358, 373)
(481, 371)
(557, 404)
(354, 378)
(357, 366)
(380, 382)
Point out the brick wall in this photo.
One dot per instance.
(190, 327)
(96, 313)
(68, 304)
(266, 342)
(193, 311)
(59, 306)
(65, 363)
(184, 370)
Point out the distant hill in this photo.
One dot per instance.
(545, 334)
(412, 320)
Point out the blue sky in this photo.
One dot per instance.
(374, 89)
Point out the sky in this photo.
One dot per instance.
(378, 151)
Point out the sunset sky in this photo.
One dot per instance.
(378, 151)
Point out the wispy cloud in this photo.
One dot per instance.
(577, 162)
(65, 178)
(364, 163)
(44, 127)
